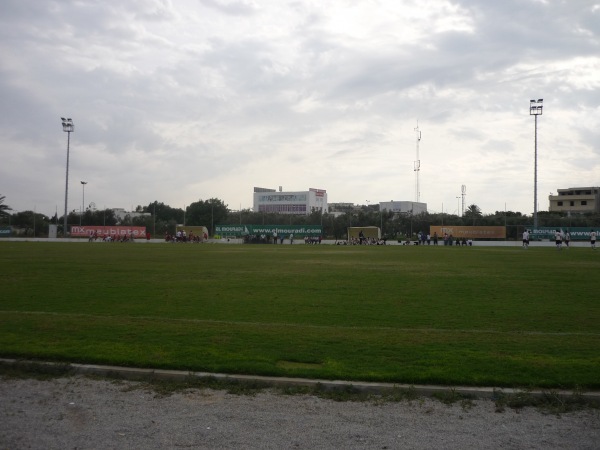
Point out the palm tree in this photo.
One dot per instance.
(474, 212)
(4, 208)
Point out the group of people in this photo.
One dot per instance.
(181, 236)
(448, 239)
(275, 238)
(362, 241)
(312, 240)
(560, 237)
(113, 238)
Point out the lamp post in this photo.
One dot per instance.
(68, 127)
(83, 183)
(535, 109)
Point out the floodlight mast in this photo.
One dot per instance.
(535, 109)
(417, 166)
(68, 127)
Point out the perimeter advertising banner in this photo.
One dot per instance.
(5, 231)
(577, 233)
(268, 230)
(113, 231)
(469, 232)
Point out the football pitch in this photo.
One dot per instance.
(488, 316)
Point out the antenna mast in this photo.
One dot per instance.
(464, 193)
(417, 167)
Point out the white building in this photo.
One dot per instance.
(121, 214)
(290, 202)
(413, 208)
(576, 200)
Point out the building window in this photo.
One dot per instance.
(559, 203)
(571, 203)
(583, 202)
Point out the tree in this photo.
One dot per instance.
(206, 213)
(164, 213)
(473, 212)
(4, 208)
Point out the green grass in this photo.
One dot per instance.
(473, 316)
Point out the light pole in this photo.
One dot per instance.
(68, 127)
(458, 206)
(83, 183)
(535, 109)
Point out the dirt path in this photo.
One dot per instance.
(83, 413)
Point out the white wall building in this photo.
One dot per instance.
(403, 207)
(121, 214)
(290, 202)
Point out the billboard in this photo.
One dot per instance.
(5, 231)
(113, 231)
(497, 232)
(577, 233)
(268, 230)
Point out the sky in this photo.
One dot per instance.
(185, 100)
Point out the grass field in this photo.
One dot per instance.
(491, 316)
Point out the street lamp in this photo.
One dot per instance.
(535, 109)
(68, 127)
(83, 183)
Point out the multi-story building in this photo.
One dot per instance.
(404, 207)
(121, 214)
(576, 200)
(290, 202)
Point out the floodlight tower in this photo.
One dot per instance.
(463, 189)
(417, 166)
(68, 128)
(535, 109)
(83, 183)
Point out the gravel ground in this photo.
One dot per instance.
(84, 413)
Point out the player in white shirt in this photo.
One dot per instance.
(525, 239)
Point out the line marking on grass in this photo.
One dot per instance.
(299, 325)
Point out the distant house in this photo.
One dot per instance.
(301, 203)
(576, 200)
(405, 207)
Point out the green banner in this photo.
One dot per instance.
(577, 233)
(268, 230)
(5, 231)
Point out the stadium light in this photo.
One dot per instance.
(535, 109)
(68, 128)
(83, 183)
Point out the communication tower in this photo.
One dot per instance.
(463, 195)
(417, 166)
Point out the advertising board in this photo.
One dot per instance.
(577, 233)
(497, 232)
(113, 231)
(246, 230)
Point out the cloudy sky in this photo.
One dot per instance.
(183, 100)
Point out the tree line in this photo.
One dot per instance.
(162, 218)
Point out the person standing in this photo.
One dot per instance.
(558, 240)
(593, 239)
(567, 238)
(435, 238)
(291, 238)
(274, 236)
(526, 239)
